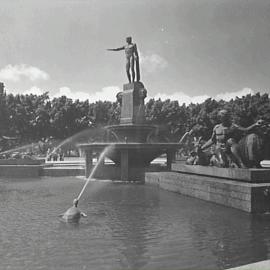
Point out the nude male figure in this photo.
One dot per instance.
(132, 57)
(223, 137)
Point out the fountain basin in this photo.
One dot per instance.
(139, 153)
(129, 155)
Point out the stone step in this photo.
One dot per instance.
(243, 175)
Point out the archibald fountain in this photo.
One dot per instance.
(132, 143)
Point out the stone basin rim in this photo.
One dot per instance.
(130, 145)
(130, 125)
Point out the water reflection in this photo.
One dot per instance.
(130, 222)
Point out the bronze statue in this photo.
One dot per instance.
(227, 152)
(132, 57)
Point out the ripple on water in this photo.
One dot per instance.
(128, 227)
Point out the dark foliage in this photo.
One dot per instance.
(36, 117)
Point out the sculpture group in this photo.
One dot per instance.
(224, 150)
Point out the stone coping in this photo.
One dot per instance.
(22, 161)
(130, 125)
(130, 145)
(245, 175)
(245, 196)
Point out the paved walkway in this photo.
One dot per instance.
(263, 265)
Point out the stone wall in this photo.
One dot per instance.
(62, 171)
(249, 197)
(20, 171)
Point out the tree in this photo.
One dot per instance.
(3, 111)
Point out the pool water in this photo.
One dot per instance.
(128, 227)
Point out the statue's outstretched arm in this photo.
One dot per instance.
(117, 49)
(244, 129)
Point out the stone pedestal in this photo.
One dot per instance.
(132, 110)
(124, 165)
(88, 162)
(169, 154)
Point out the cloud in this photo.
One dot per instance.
(107, 93)
(16, 72)
(181, 97)
(184, 98)
(152, 62)
(231, 95)
(34, 90)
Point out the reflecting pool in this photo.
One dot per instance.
(128, 227)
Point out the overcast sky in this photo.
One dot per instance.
(189, 50)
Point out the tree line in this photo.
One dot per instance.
(31, 118)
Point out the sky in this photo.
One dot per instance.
(189, 50)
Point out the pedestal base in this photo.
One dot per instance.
(132, 109)
(244, 189)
